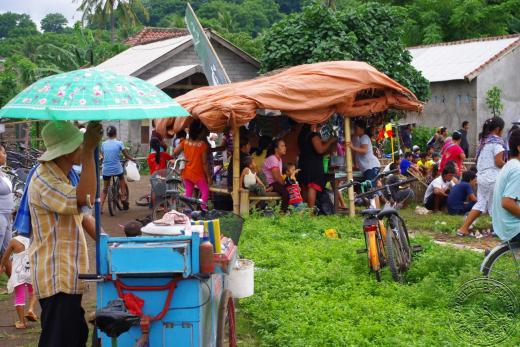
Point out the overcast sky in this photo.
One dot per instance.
(38, 9)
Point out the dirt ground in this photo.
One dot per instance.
(11, 337)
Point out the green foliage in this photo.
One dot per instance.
(250, 45)
(421, 135)
(54, 23)
(14, 25)
(494, 101)
(312, 291)
(368, 33)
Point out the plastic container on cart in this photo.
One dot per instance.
(241, 280)
(206, 263)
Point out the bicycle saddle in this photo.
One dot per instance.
(114, 319)
(194, 201)
(173, 180)
(386, 212)
(370, 211)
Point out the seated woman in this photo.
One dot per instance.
(272, 169)
(462, 197)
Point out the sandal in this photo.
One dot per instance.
(31, 316)
(20, 325)
(461, 234)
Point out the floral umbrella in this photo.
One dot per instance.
(93, 95)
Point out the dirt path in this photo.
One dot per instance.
(11, 337)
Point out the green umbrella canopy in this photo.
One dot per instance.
(92, 94)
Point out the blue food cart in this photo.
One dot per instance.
(176, 304)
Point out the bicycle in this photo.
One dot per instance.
(385, 243)
(114, 195)
(169, 193)
(503, 263)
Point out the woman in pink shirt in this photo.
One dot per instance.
(272, 169)
(453, 152)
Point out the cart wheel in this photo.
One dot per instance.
(226, 334)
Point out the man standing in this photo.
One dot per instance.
(58, 250)
(464, 144)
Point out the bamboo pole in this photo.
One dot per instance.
(348, 167)
(236, 168)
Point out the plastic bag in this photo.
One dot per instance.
(132, 172)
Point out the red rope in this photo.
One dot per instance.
(170, 286)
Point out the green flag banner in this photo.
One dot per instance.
(211, 65)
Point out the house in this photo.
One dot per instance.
(460, 74)
(166, 58)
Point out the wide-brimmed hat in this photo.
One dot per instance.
(60, 138)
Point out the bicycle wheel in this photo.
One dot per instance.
(113, 194)
(397, 257)
(143, 200)
(120, 202)
(399, 225)
(373, 255)
(503, 264)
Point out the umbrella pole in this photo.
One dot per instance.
(348, 167)
(236, 168)
(97, 210)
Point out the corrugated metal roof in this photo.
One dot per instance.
(462, 59)
(134, 58)
(173, 75)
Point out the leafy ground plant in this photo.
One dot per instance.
(314, 291)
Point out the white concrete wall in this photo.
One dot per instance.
(505, 74)
(451, 103)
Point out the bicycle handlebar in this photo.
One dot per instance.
(386, 186)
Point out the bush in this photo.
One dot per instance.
(421, 135)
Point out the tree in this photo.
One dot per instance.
(54, 23)
(106, 11)
(370, 33)
(15, 24)
(494, 101)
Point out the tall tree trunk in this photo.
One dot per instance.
(112, 23)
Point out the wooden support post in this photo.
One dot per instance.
(244, 202)
(348, 167)
(236, 168)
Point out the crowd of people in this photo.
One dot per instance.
(54, 208)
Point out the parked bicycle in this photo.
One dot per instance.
(386, 242)
(503, 263)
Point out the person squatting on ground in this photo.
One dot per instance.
(196, 173)
(462, 198)
(506, 198)
(20, 279)
(58, 251)
(112, 167)
(490, 158)
(437, 192)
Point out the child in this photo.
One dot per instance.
(292, 186)
(462, 197)
(436, 157)
(425, 164)
(249, 178)
(20, 279)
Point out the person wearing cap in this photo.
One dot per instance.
(58, 251)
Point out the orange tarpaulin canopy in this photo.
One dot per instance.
(306, 93)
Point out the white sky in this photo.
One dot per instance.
(38, 9)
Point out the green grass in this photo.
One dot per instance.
(312, 291)
(439, 222)
(3, 284)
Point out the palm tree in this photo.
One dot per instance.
(103, 8)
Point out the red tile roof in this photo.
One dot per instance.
(150, 34)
